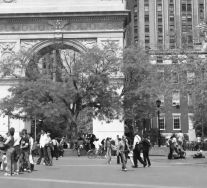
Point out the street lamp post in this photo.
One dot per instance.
(35, 136)
(158, 103)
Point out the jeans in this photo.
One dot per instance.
(10, 159)
(24, 159)
(123, 159)
(118, 155)
(42, 153)
(17, 153)
(48, 155)
(108, 155)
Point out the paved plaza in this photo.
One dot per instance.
(77, 172)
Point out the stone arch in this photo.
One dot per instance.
(46, 43)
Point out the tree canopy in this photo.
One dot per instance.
(59, 85)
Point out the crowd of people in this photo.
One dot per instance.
(124, 151)
(18, 152)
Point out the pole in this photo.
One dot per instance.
(202, 134)
(35, 128)
(8, 122)
(159, 137)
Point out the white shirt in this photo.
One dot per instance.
(47, 140)
(43, 139)
(17, 141)
(137, 140)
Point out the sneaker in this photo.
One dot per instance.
(144, 165)
(124, 169)
(16, 173)
(134, 166)
(149, 165)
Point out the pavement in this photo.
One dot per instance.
(78, 172)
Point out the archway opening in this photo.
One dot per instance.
(54, 61)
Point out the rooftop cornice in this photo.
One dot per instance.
(68, 18)
(123, 13)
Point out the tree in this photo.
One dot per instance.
(59, 84)
(141, 86)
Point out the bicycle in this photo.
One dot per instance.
(94, 153)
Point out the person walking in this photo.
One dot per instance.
(108, 150)
(42, 151)
(9, 143)
(123, 150)
(146, 147)
(136, 151)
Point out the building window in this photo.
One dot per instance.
(159, 20)
(184, 7)
(146, 8)
(159, 59)
(162, 122)
(176, 122)
(174, 77)
(176, 98)
(146, 18)
(189, 7)
(159, 8)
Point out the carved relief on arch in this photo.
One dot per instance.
(28, 44)
(88, 43)
(7, 49)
